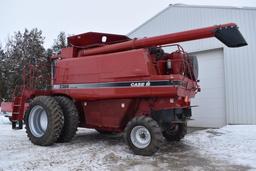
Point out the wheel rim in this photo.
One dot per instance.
(38, 121)
(140, 137)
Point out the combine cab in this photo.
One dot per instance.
(115, 84)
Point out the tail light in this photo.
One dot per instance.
(186, 99)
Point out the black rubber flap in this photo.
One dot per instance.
(230, 36)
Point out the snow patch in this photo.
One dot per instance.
(234, 143)
(228, 148)
(3, 119)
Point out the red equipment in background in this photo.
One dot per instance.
(113, 83)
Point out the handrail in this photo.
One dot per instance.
(30, 79)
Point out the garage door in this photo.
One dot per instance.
(211, 100)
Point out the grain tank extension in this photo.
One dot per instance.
(115, 84)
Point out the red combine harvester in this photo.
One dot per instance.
(116, 84)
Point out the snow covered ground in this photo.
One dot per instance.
(228, 148)
(3, 120)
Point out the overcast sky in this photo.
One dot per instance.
(78, 16)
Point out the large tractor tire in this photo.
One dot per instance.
(44, 120)
(71, 118)
(143, 135)
(175, 132)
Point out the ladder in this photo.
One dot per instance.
(21, 94)
(19, 97)
(18, 107)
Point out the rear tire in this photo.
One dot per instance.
(143, 135)
(44, 121)
(71, 118)
(175, 132)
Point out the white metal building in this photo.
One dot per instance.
(227, 75)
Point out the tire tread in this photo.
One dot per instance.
(71, 118)
(155, 131)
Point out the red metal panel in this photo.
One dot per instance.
(68, 52)
(114, 114)
(103, 68)
(95, 39)
(106, 113)
(114, 93)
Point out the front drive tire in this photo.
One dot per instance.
(44, 121)
(71, 118)
(143, 135)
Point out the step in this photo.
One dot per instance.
(18, 101)
(16, 105)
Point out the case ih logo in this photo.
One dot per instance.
(140, 84)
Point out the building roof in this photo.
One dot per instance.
(211, 6)
(191, 6)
